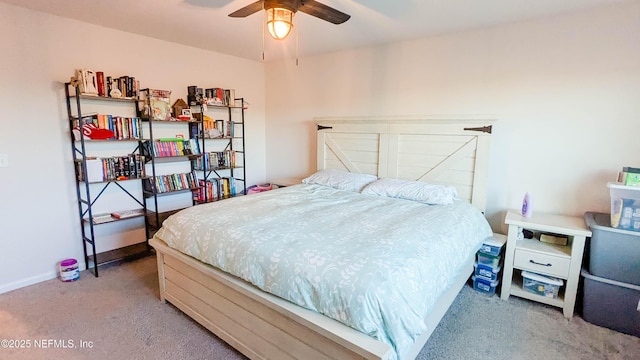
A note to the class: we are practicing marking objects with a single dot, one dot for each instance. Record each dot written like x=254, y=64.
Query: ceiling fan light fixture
x=279, y=22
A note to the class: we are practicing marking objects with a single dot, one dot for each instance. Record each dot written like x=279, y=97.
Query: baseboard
x=32, y=280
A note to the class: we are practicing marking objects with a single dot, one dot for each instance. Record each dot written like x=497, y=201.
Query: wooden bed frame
x=262, y=326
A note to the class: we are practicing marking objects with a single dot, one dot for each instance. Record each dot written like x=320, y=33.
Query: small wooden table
x=535, y=256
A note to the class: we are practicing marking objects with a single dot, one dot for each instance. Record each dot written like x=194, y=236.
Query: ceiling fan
x=280, y=14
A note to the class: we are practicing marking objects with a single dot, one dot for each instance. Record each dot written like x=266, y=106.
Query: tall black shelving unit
x=151, y=192
x=234, y=143
x=89, y=192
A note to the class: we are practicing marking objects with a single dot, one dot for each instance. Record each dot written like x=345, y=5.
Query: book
x=554, y=239
x=100, y=83
x=127, y=213
x=102, y=218
x=95, y=172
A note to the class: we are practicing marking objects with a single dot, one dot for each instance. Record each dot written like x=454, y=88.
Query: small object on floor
x=69, y=270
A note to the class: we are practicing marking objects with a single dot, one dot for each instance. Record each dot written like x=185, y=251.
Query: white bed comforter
x=374, y=263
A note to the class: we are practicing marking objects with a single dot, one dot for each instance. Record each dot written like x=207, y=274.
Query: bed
x=261, y=325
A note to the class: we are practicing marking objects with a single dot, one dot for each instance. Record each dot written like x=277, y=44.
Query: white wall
x=38, y=213
x=565, y=91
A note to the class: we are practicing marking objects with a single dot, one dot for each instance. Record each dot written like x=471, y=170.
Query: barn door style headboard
x=439, y=150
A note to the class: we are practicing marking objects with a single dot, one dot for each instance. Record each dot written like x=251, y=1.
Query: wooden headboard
x=440, y=150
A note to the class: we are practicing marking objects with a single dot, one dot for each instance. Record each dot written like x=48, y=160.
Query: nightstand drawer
x=542, y=263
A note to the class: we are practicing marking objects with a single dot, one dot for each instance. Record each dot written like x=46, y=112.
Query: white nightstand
x=535, y=256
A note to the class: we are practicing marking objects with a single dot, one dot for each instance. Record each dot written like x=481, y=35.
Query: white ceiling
x=205, y=24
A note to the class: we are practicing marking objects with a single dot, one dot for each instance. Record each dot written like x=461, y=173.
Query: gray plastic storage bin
x=614, y=253
x=612, y=304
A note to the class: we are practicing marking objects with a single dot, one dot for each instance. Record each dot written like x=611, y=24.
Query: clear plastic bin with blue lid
x=490, y=273
x=490, y=250
x=484, y=285
x=493, y=245
x=542, y=285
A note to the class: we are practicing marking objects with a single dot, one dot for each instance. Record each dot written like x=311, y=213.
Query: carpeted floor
x=119, y=316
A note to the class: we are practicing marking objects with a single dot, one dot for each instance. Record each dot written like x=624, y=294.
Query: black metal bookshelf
x=233, y=143
x=89, y=193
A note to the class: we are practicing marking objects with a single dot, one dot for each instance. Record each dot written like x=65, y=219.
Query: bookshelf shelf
x=110, y=140
x=101, y=181
x=120, y=255
x=103, y=98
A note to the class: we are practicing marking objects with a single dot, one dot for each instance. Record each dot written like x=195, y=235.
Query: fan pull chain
x=297, y=33
x=263, y=25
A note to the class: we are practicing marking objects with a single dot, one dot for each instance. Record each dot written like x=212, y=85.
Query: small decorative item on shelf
x=194, y=95
x=115, y=93
x=95, y=133
x=160, y=106
x=88, y=81
x=178, y=107
x=186, y=115
x=156, y=104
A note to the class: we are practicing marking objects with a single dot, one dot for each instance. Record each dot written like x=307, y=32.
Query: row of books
x=97, y=83
x=211, y=96
x=219, y=97
x=226, y=128
x=172, y=182
x=128, y=85
x=215, y=189
x=172, y=147
x=122, y=127
x=112, y=168
x=216, y=160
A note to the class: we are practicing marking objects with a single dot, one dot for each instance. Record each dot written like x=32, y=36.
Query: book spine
x=107, y=85
x=100, y=79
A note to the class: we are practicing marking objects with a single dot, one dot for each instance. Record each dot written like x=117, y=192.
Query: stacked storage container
x=611, y=293
x=489, y=263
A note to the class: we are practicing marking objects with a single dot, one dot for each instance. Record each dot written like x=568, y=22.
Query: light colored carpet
x=121, y=316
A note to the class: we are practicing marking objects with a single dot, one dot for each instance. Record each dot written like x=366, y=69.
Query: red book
x=101, y=83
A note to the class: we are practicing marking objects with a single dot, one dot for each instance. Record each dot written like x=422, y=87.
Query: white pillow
x=340, y=179
x=427, y=193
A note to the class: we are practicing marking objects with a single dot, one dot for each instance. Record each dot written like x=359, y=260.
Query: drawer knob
x=537, y=263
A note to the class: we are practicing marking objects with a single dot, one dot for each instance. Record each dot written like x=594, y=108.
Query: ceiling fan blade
x=323, y=12
x=248, y=10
